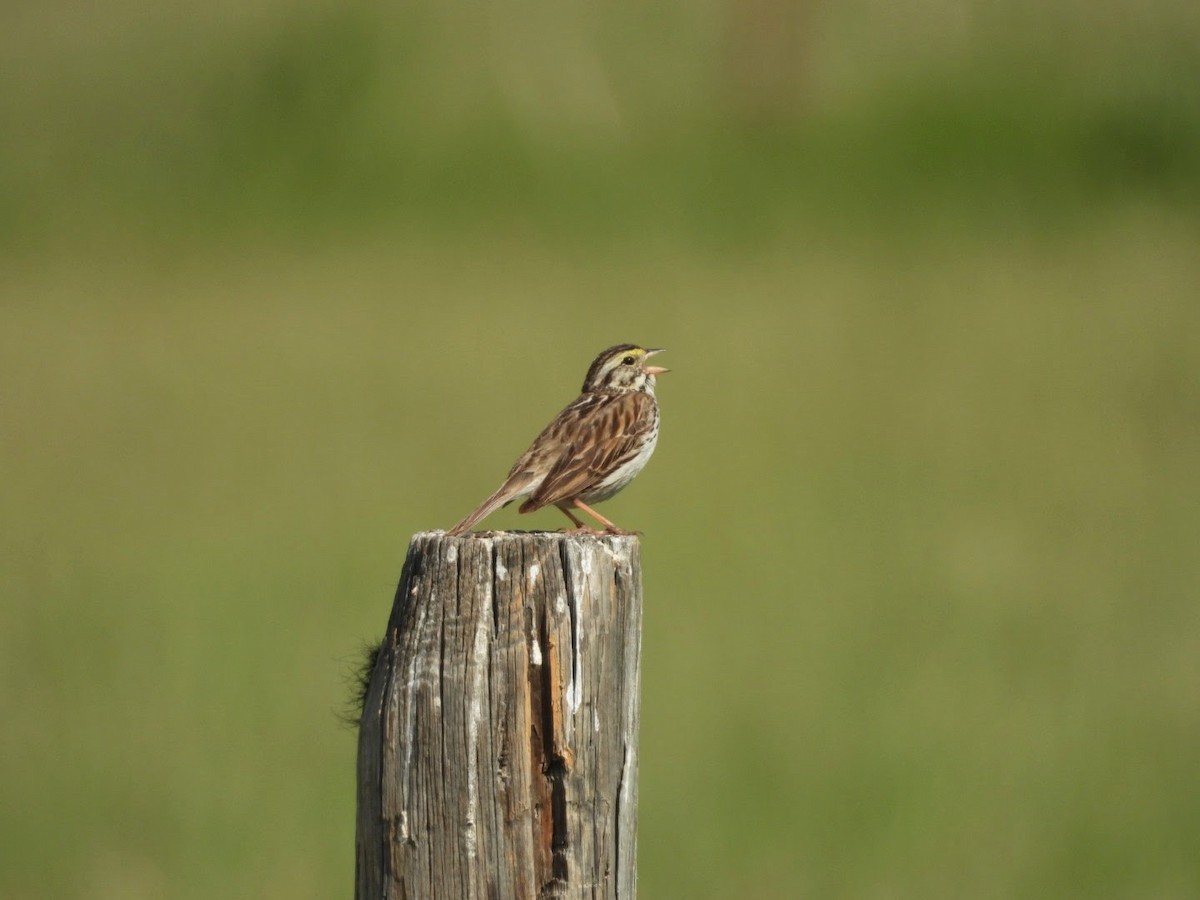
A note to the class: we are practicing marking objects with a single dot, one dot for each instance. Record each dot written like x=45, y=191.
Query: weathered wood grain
x=498, y=744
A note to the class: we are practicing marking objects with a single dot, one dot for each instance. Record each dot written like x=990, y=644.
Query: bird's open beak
x=653, y=370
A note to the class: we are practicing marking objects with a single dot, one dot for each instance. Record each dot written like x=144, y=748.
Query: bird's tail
x=485, y=509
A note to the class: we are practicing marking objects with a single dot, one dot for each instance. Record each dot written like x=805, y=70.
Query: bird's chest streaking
x=626, y=471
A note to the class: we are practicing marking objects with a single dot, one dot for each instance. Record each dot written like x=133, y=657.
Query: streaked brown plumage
x=593, y=448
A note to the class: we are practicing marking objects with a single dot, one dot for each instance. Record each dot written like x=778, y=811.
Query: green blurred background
x=282, y=284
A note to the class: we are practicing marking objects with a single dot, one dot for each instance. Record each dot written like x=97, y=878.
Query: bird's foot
x=602, y=532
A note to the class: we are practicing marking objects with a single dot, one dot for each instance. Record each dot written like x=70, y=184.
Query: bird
x=592, y=449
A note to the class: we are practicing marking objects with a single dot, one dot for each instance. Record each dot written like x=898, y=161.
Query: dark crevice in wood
x=554, y=767
x=572, y=611
x=538, y=752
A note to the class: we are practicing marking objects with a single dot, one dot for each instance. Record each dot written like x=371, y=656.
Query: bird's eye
x=629, y=361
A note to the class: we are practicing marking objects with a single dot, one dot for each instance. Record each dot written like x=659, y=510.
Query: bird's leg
x=608, y=526
x=579, y=528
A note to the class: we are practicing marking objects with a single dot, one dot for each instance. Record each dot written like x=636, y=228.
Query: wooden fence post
x=498, y=752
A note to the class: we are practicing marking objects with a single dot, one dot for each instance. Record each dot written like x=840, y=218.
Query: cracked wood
x=498, y=744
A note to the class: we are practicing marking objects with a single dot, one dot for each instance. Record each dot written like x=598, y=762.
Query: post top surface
x=611, y=540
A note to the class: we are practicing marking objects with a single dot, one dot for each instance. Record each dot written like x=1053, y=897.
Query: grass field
x=920, y=535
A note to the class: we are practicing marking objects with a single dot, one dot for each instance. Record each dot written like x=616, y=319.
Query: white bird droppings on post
x=451, y=553
x=415, y=674
x=535, y=652
x=575, y=688
x=626, y=779
x=534, y=570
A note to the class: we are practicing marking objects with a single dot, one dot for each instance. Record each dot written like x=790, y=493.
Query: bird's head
x=622, y=369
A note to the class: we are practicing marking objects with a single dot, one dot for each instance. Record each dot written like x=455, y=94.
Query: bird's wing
x=596, y=438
